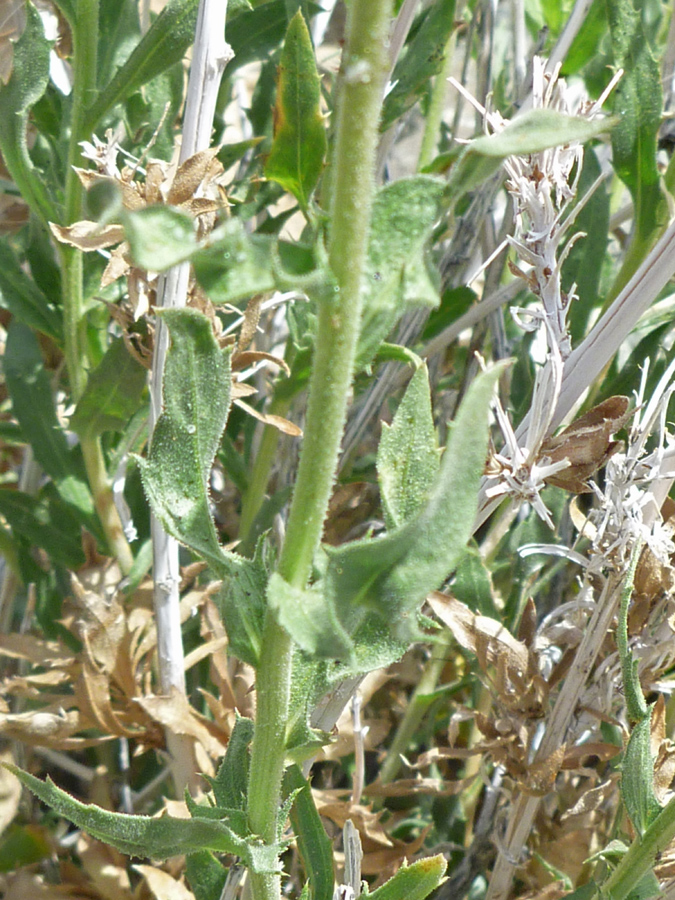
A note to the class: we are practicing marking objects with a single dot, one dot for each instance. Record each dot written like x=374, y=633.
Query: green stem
x=365, y=66
x=104, y=503
x=417, y=707
x=85, y=45
x=260, y=476
x=641, y=856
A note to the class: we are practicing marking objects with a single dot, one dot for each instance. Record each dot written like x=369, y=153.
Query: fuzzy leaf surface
x=414, y=882
x=145, y=836
x=206, y=875
x=187, y=434
x=236, y=265
x=637, y=780
x=27, y=84
x=299, y=147
x=391, y=576
x=407, y=457
x=396, y=274
x=159, y=237
x=112, y=394
x=231, y=781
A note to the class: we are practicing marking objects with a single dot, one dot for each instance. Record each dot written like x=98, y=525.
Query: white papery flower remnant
x=543, y=187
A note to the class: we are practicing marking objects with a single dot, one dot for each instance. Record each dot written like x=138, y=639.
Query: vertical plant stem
x=209, y=58
x=85, y=44
x=364, y=70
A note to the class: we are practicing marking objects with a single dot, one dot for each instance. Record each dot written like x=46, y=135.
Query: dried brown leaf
x=86, y=235
x=162, y=885
x=190, y=175
x=271, y=419
x=250, y=324
x=174, y=712
x=106, y=867
x=586, y=444
x=246, y=358
x=485, y=637
x=12, y=24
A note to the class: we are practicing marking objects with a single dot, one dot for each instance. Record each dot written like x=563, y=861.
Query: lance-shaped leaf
x=397, y=275
x=164, y=44
x=637, y=778
x=422, y=59
x=314, y=844
x=235, y=265
x=414, y=882
x=112, y=395
x=27, y=83
x=638, y=100
x=231, y=781
x=407, y=457
x=32, y=403
x=23, y=298
x=188, y=432
x=392, y=575
x=206, y=875
x=299, y=146
x=145, y=836
x=531, y=132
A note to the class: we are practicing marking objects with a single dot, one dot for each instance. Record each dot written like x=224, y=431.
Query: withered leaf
x=586, y=444
x=12, y=24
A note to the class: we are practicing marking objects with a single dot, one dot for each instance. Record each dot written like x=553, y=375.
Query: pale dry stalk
x=210, y=56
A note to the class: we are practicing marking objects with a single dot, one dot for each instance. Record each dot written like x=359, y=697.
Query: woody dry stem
x=360, y=98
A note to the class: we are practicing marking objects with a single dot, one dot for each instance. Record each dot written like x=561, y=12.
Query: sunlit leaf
x=407, y=457
x=299, y=146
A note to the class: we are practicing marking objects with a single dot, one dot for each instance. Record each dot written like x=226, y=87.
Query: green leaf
x=119, y=32
x=414, y=882
x=256, y=34
x=164, y=44
x=112, y=394
x=531, y=132
x=206, y=876
x=407, y=457
x=146, y=836
x=187, y=434
x=236, y=265
x=242, y=604
x=23, y=298
x=231, y=781
x=392, y=575
x=159, y=237
x=31, y=393
x=637, y=778
x=296, y=158
x=638, y=101
x=422, y=60
x=309, y=618
x=472, y=583
x=24, y=845
x=47, y=522
x=27, y=84
x=316, y=849
x=396, y=274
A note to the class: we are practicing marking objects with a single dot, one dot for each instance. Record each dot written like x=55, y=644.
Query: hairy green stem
x=641, y=856
x=364, y=70
x=85, y=44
